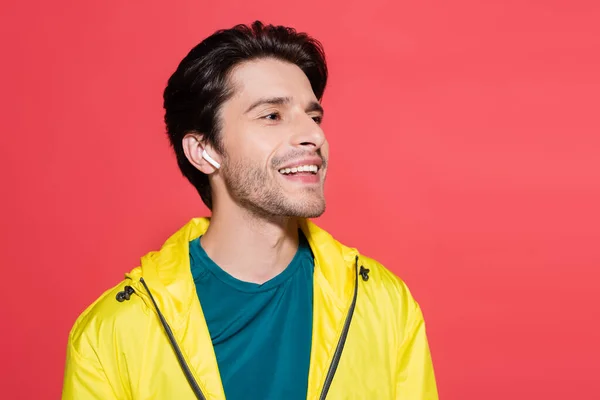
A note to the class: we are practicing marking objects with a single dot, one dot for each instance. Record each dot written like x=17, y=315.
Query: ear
x=193, y=145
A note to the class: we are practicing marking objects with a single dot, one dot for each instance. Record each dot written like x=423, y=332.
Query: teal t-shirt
x=261, y=333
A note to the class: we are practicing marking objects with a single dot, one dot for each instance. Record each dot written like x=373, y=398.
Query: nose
x=308, y=133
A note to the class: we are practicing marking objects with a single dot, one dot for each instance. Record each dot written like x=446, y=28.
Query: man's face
x=275, y=150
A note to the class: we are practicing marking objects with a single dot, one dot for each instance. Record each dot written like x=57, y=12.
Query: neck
x=251, y=248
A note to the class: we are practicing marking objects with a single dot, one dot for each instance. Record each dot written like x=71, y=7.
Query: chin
x=309, y=211
x=314, y=214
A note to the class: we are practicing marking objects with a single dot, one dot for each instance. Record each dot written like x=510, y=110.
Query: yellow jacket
x=368, y=339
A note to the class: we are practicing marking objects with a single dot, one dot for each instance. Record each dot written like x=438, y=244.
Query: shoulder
x=384, y=279
x=388, y=292
x=108, y=321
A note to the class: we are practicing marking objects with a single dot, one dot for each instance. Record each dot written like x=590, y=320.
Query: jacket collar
x=168, y=274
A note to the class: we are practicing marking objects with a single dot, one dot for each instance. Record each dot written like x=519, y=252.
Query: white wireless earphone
x=210, y=160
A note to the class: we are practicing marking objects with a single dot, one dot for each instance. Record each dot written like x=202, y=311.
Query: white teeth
x=301, y=168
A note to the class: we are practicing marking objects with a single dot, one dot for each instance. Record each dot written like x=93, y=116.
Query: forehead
x=269, y=77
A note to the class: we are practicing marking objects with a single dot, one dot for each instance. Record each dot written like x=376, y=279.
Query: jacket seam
x=411, y=330
x=96, y=363
x=144, y=355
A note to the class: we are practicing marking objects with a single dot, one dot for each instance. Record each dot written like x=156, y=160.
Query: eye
x=318, y=119
x=274, y=116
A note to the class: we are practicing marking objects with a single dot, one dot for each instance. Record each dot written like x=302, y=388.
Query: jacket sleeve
x=84, y=378
x=415, y=376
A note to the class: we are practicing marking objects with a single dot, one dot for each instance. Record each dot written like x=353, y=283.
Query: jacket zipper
x=186, y=369
x=332, y=367
x=340, y=346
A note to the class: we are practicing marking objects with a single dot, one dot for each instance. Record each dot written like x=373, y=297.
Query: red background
x=465, y=143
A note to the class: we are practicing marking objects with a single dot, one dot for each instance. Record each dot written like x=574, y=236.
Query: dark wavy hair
x=200, y=85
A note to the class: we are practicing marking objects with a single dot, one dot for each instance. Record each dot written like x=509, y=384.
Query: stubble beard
x=254, y=190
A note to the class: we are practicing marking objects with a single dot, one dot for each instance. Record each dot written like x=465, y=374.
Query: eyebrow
x=277, y=101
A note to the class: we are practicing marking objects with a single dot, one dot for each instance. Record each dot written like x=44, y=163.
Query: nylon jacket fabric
x=119, y=350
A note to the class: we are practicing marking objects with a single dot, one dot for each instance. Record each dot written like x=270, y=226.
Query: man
x=258, y=302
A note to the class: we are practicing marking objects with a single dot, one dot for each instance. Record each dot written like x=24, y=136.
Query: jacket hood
x=167, y=271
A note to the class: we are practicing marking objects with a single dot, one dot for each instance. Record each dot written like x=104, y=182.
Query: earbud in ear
x=210, y=160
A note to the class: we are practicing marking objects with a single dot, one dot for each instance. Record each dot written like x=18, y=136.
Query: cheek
x=263, y=144
x=252, y=148
x=238, y=141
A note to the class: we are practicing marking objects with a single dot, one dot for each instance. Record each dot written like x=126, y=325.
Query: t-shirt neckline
x=251, y=287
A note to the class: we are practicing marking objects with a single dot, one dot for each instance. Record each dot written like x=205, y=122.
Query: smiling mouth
x=301, y=169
